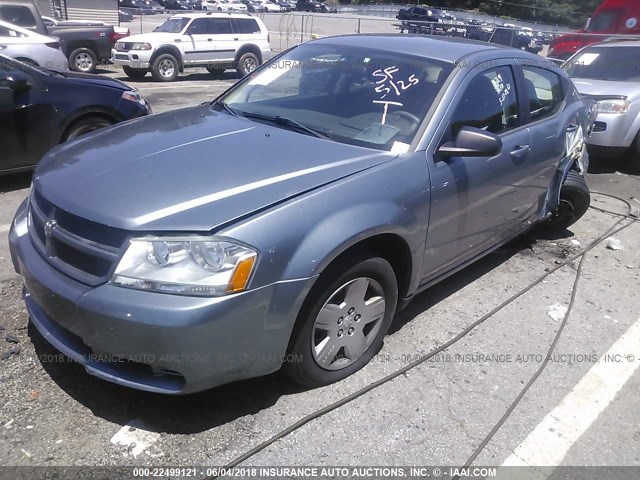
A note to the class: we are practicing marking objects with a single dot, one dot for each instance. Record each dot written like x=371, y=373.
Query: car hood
x=95, y=80
x=597, y=88
x=193, y=169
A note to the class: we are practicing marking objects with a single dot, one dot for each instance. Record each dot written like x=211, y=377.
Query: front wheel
x=165, y=68
x=574, y=202
x=247, y=64
x=86, y=125
x=343, y=322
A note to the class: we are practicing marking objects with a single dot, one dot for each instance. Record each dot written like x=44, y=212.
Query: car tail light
x=115, y=36
x=55, y=45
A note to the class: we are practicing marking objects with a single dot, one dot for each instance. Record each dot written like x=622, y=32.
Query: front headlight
x=613, y=106
x=190, y=265
x=141, y=46
x=133, y=96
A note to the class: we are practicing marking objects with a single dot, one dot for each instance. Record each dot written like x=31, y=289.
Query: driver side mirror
x=472, y=142
x=18, y=82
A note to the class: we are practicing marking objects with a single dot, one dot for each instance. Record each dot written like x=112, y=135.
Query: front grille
x=82, y=249
x=122, y=56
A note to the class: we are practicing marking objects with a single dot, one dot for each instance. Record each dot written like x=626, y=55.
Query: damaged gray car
x=286, y=222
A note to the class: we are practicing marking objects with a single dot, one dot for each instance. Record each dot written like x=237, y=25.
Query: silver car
x=31, y=47
x=609, y=73
x=285, y=223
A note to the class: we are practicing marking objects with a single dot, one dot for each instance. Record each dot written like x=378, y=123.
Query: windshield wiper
x=225, y=107
x=288, y=122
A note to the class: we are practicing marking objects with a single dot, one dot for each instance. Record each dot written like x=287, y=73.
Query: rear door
x=477, y=202
x=544, y=93
x=223, y=38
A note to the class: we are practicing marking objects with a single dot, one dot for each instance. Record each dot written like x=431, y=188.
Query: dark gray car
x=286, y=222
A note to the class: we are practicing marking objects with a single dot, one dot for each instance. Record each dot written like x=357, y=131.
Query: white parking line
x=549, y=442
x=4, y=228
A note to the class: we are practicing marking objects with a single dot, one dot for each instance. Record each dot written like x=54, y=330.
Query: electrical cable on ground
x=358, y=393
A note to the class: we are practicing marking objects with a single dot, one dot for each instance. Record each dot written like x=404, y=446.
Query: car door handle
x=572, y=127
x=235, y=39
x=520, y=152
x=209, y=39
x=2, y=47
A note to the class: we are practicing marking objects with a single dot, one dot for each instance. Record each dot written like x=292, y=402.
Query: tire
x=135, y=72
x=216, y=70
x=325, y=352
x=83, y=60
x=574, y=202
x=247, y=63
x=86, y=125
x=165, y=68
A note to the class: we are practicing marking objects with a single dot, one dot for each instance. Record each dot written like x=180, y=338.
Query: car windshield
x=173, y=25
x=621, y=64
x=353, y=95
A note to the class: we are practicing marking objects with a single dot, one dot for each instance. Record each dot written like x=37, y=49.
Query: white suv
x=216, y=41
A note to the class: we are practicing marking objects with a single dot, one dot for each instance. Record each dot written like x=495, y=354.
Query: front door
x=478, y=201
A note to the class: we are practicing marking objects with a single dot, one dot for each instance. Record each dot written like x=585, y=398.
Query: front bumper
x=612, y=131
x=155, y=342
x=132, y=58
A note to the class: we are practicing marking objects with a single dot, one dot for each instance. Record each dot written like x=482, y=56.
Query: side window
x=197, y=27
x=245, y=25
x=544, y=90
x=217, y=26
x=489, y=102
x=18, y=15
x=8, y=32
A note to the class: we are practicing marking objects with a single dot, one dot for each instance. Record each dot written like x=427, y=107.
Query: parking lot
x=437, y=413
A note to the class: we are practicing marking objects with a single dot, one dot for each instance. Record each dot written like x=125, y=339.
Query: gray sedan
x=609, y=73
x=286, y=222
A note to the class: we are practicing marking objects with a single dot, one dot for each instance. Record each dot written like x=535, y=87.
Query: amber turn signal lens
x=241, y=274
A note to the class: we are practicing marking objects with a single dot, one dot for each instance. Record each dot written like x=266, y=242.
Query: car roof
x=447, y=49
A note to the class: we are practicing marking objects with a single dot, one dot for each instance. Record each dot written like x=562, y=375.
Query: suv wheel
x=165, y=68
x=344, y=321
x=247, y=63
x=83, y=60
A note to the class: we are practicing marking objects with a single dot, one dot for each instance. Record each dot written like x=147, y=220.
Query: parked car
x=416, y=13
x=269, y=6
x=254, y=6
x=213, y=40
x=31, y=47
x=311, y=6
x=85, y=46
x=124, y=16
x=609, y=73
x=237, y=6
x=40, y=108
x=216, y=5
x=285, y=5
x=612, y=17
x=136, y=7
x=280, y=224
x=177, y=5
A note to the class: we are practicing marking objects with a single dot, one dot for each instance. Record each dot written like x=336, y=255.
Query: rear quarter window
x=18, y=15
x=245, y=25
